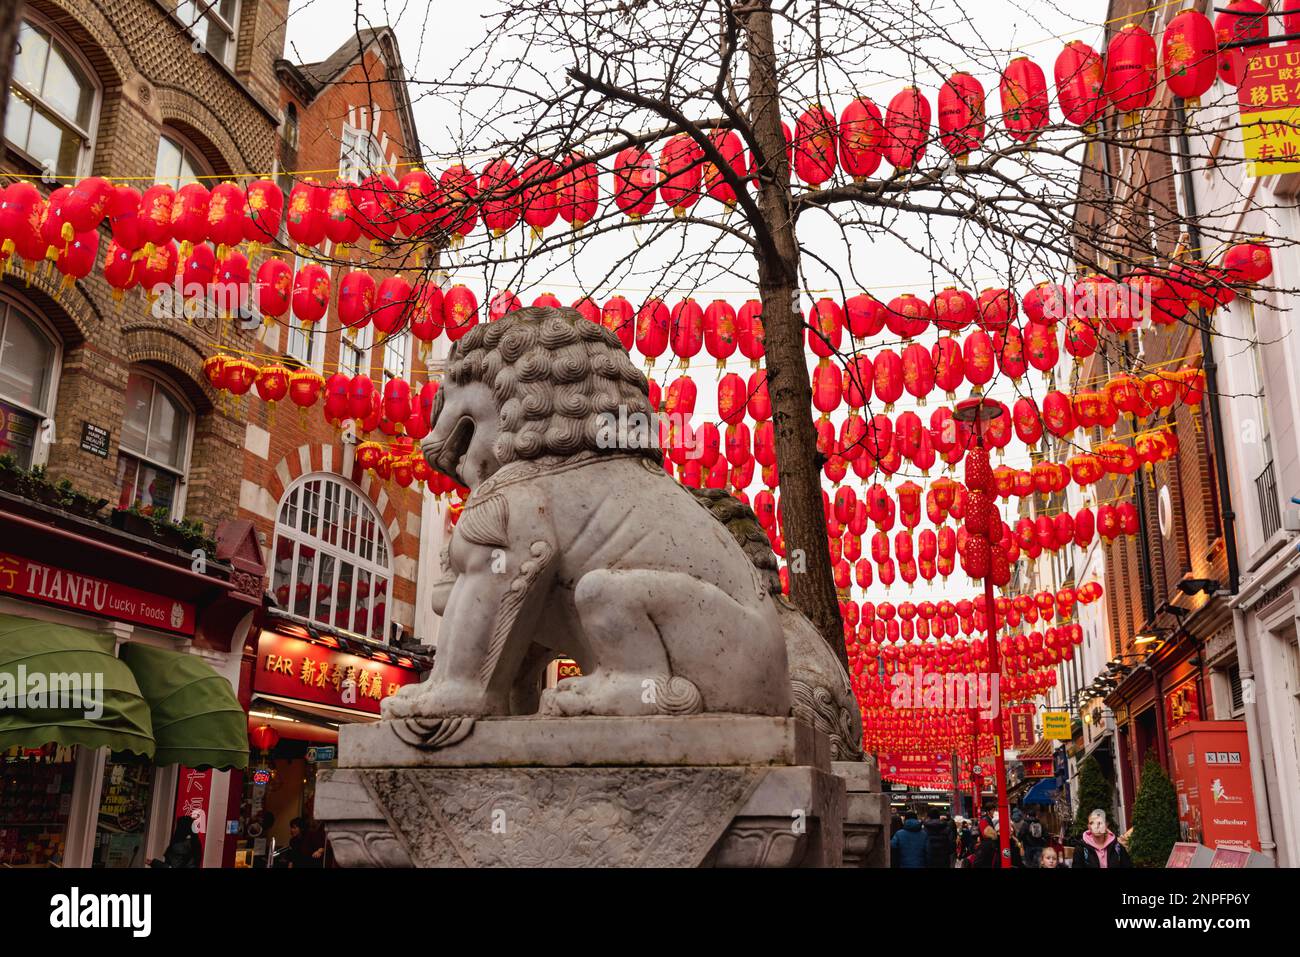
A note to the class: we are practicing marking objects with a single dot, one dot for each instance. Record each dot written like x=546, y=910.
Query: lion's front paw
x=444, y=699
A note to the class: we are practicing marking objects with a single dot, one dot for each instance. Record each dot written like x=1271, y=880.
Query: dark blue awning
x=1044, y=792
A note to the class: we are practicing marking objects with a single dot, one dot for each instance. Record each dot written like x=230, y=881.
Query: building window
x=178, y=163
x=291, y=126
x=397, y=356
x=360, y=155
x=354, y=353
x=214, y=24
x=332, y=557
x=27, y=373
x=51, y=103
x=304, y=341
x=153, y=455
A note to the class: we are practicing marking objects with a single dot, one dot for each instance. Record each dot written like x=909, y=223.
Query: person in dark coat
x=306, y=845
x=938, y=834
x=1100, y=848
x=1033, y=836
x=185, y=849
x=909, y=848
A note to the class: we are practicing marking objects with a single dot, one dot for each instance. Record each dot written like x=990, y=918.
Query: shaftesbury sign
x=58, y=586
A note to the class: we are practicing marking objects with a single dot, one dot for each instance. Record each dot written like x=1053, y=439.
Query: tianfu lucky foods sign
x=58, y=586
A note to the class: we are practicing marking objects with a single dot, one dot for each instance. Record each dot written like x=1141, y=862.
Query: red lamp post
x=979, y=411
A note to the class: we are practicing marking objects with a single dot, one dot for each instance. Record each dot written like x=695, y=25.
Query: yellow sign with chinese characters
x=1056, y=725
x=1269, y=97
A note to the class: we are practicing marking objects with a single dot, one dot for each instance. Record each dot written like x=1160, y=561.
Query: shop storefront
x=303, y=683
x=116, y=676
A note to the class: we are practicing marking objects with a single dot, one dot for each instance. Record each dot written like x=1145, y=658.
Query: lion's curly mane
x=560, y=381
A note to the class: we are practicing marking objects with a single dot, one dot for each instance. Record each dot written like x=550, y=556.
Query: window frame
x=187, y=445
x=86, y=154
x=9, y=303
x=292, y=326
x=407, y=355
x=208, y=10
x=363, y=345
x=349, y=170
x=187, y=149
x=297, y=537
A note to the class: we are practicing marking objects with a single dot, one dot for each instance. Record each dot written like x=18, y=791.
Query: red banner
x=193, y=793
x=1212, y=780
x=293, y=668
x=57, y=586
x=912, y=765
x=1019, y=731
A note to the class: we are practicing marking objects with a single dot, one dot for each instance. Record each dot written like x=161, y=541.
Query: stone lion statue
x=574, y=541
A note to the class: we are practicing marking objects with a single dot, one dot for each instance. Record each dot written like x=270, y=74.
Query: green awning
x=197, y=720
x=64, y=676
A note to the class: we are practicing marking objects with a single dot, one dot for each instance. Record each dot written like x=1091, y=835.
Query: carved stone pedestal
x=701, y=791
x=866, y=815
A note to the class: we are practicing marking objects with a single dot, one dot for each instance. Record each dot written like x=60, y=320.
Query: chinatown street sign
x=1270, y=109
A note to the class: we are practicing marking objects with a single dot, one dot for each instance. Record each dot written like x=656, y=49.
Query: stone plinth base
x=866, y=814
x=699, y=791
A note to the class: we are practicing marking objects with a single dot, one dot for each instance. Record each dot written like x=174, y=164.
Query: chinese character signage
x=1019, y=731
x=293, y=668
x=914, y=764
x=1270, y=109
x=192, y=794
x=58, y=586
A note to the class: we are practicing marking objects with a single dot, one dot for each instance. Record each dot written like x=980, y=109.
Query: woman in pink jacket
x=1100, y=847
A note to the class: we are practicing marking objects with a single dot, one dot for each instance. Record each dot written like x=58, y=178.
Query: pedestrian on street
x=185, y=849
x=1100, y=848
x=909, y=848
x=1049, y=860
x=939, y=837
x=1033, y=836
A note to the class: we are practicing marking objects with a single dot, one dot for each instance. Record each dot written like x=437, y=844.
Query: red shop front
x=303, y=683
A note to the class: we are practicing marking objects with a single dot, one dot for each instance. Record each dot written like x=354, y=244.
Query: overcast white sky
x=432, y=36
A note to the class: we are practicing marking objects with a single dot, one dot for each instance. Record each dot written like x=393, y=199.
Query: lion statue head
x=540, y=382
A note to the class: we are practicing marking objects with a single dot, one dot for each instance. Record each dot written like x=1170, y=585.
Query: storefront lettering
x=282, y=664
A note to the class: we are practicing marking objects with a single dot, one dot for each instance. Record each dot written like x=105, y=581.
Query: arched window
x=178, y=162
x=333, y=563
x=28, y=364
x=154, y=453
x=52, y=101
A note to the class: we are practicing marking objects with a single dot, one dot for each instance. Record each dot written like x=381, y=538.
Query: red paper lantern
x=749, y=331
x=226, y=207
x=1190, y=53
x=579, y=191
x=720, y=331
x=887, y=378
x=357, y=291
x=978, y=359
x=618, y=317
x=1024, y=99
x=342, y=225
x=1080, y=83
x=311, y=293
x=272, y=383
x=686, y=330
x=305, y=387
x=1243, y=20
x=190, y=214
x=862, y=133
x=306, y=216
x=155, y=213
x=907, y=128
x=1131, y=70
x=541, y=184
x=918, y=372
x=119, y=269
x=459, y=311
x=732, y=151
x=157, y=268
x=1248, y=263
x=825, y=328
x=502, y=304
x=815, y=136
x=427, y=313
x=760, y=403
x=907, y=316
x=653, y=322
x=1010, y=348
x=123, y=218
x=499, y=196
x=961, y=116
x=635, y=182
x=827, y=386
x=681, y=171
x=87, y=203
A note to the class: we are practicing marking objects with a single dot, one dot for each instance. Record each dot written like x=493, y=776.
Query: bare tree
x=555, y=78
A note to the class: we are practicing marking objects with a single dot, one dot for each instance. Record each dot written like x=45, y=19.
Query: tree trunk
x=11, y=15
x=812, y=582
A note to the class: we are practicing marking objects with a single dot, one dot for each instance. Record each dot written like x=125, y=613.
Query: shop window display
x=35, y=800
x=123, y=811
